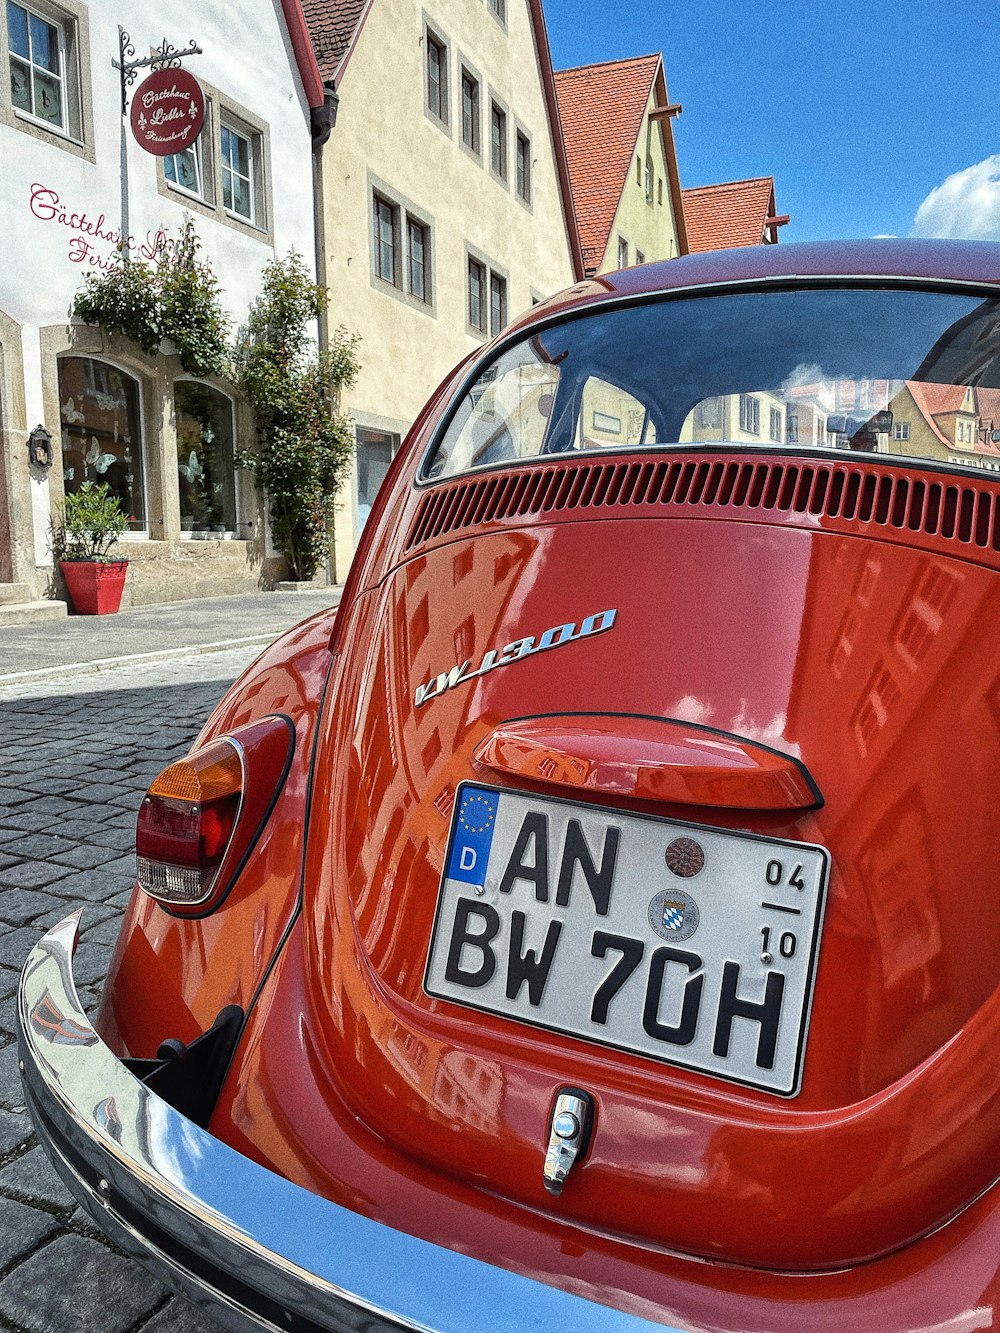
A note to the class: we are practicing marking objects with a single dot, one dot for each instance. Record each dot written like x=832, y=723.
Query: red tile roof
x=332, y=26
x=601, y=108
x=722, y=217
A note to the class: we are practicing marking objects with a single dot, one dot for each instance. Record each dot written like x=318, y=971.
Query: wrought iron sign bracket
x=166, y=56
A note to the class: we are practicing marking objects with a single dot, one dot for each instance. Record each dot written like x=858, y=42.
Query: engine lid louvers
x=841, y=493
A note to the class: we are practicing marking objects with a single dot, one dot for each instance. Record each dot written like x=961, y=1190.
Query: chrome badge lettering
x=514, y=652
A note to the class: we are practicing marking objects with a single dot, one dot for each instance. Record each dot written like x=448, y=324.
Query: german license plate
x=691, y=945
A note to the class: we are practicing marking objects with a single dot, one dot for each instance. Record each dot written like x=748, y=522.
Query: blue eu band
x=470, y=848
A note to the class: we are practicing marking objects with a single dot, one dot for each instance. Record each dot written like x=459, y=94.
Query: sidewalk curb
x=133, y=659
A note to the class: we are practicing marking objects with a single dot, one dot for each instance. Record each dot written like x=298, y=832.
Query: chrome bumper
x=254, y=1250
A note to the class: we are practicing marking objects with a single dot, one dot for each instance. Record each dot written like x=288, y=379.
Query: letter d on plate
x=470, y=849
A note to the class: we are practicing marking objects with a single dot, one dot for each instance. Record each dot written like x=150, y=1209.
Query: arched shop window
x=102, y=432
x=206, y=475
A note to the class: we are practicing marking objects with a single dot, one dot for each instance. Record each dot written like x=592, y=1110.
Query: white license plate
x=686, y=944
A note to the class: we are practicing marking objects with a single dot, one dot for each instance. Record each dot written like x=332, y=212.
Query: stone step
x=14, y=592
x=27, y=613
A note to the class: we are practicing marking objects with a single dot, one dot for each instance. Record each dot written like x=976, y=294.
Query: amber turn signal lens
x=186, y=823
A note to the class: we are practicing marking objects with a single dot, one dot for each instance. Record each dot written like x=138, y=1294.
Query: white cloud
x=966, y=205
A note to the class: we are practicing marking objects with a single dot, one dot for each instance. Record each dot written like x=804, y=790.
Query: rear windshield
x=908, y=373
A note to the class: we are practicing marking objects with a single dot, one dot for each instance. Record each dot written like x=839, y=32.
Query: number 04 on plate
x=685, y=944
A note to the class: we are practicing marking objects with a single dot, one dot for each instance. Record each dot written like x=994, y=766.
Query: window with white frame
x=238, y=173
x=437, y=77
x=187, y=170
x=649, y=180
x=498, y=303
x=498, y=140
x=385, y=217
x=749, y=414
x=470, y=111
x=522, y=167
x=622, y=252
x=901, y=430
x=417, y=259
x=498, y=8
x=43, y=67
x=476, y=284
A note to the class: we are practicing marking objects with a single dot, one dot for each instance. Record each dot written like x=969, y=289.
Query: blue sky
x=864, y=113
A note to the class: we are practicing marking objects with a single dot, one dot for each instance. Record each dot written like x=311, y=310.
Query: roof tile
x=601, y=108
x=332, y=24
x=725, y=216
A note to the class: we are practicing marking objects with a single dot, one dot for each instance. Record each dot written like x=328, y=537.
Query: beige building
x=616, y=120
x=444, y=197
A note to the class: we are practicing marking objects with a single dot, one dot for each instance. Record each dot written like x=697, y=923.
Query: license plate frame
x=710, y=1032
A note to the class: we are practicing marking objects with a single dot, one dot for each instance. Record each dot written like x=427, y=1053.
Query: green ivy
x=304, y=446
x=175, y=298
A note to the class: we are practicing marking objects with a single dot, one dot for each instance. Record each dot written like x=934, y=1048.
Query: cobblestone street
x=76, y=756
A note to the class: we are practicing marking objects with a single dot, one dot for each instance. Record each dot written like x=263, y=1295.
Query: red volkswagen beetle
x=594, y=925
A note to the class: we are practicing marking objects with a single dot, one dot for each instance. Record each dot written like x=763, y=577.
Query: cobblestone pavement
x=76, y=757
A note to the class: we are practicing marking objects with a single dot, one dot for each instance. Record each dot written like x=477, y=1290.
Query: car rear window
x=913, y=374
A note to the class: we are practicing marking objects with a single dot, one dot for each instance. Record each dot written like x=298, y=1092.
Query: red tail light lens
x=202, y=815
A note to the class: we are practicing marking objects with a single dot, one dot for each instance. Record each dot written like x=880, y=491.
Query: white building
x=71, y=178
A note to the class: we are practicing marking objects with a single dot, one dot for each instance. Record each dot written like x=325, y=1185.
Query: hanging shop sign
x=168, y=111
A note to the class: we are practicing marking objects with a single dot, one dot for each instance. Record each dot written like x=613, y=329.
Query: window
x=376, y=449
x=206, y=472
x=498, y=303
x=385, y=222
x=622, y=252
x=470, y=111
x=791, y=429
x=416, y=259
x=498, y=8
x=186, y=170
x=437, y=78
x=102, y=432
x=776, y=431
x=640, y=258
x=43, y=68
x=477, y=281
x=659, y=192
x=498, y=140
x=749, y=414
x=649, y=180
x=820, y=431
x=638, y=171
x=238, y=174
x=901, y=430
x=522, y=167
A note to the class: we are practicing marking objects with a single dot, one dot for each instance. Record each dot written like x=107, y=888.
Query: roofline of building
x=305, y=58
x=556, y=135
x=673, y=172
x=605, y=64
x=722, y=185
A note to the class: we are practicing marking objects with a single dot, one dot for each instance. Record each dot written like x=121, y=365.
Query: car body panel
x=835, y=611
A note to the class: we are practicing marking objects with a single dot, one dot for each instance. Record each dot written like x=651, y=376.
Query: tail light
x=201, y=817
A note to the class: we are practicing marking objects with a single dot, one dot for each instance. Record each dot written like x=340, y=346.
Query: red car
x=593, y=926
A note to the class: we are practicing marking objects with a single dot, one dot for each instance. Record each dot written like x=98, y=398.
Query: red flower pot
x=95, y=588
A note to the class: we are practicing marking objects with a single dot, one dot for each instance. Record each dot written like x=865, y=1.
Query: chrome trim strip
x=248, y=1245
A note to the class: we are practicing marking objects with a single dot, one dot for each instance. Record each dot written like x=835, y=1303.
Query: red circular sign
x=168, y=111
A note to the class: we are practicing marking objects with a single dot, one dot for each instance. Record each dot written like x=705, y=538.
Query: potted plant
x=92, y=521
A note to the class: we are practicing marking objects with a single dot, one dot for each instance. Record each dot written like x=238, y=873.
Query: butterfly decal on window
x=70, y=414
x=98, y=461
x=192, y=470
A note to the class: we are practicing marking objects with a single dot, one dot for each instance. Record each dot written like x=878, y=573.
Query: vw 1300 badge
x=555, y=637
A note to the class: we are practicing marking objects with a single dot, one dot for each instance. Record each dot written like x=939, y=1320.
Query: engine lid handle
x=651, y=759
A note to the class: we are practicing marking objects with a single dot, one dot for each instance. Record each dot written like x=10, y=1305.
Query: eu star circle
x=477, y=814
